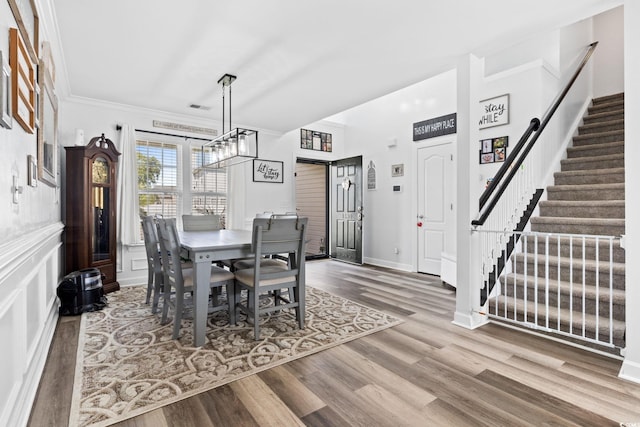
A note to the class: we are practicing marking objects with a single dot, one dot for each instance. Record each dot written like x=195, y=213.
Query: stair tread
x=591, y=147
x=608, y=98
x=577, y=239
x=577, y=220
x=581, y=172
x=584, y=187
x=591, y=118
x=601, y=124
x=618, y=267
x=619, y=326
x=599, y=104
x=594, y=158
x=582, y=203
x=617, y=295
x=599, y=134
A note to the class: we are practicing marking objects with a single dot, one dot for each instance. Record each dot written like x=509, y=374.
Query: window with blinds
x=158, y=172
x=209, y=187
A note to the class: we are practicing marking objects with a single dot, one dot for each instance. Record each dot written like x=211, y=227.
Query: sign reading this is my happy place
x=431, y=128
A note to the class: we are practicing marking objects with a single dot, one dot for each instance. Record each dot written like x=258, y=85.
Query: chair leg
x=231, y=302
x=157, y=290
x=177, y=315
x=233, y=317
x=150, y=285
x=255, y=296
x=299, y=296
x=215, y=294
x=167, y=300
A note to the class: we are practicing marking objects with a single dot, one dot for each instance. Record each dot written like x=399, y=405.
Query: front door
x=347, y=210
x=434, y=168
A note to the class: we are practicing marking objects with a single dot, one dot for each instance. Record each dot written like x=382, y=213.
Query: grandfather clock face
x=100, y=171
x=100, y=204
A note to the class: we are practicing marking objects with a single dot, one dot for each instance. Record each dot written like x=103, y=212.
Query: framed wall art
x=32, y=169
x=5, y=93
x=48, y=132
x=494, y=111
x=24, y=11
x=268, y=171
x=23, y=80
x=493, y=149
x=314, y=140
x=397, y=170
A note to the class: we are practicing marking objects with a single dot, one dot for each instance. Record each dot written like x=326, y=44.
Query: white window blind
x=209, y=187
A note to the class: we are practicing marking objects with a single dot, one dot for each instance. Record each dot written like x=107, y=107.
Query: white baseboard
x=630, y=371
x=388, y=264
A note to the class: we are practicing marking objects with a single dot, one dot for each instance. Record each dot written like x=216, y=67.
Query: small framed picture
x=499, y=142
x=499, y=154
x=32, y=168
x=397, y=170
x=486, y=157
x=487, y=147
x=5, y=93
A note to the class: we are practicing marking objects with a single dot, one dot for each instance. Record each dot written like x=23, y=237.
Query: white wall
x=390, y=217
x=608, y=30
x=631, y=366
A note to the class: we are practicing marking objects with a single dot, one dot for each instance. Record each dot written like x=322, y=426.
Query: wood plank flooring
x=424, y=372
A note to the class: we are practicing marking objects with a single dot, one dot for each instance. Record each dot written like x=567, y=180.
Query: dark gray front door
x=347, y=212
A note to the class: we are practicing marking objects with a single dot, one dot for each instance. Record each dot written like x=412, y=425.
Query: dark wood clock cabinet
x=90, y=209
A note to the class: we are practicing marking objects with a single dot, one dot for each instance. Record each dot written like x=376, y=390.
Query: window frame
x=184, y=190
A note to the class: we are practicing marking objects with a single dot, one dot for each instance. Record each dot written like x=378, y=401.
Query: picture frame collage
x=314, y=140
x=27, y=92
x=493, y=150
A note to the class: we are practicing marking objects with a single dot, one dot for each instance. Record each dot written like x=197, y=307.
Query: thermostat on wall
x=397, y=188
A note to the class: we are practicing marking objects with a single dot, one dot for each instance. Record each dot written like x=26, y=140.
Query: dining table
x=203, y=248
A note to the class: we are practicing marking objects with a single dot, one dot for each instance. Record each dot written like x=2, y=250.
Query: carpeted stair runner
x=588, y=198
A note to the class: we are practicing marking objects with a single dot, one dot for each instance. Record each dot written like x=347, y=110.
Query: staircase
x=584, y=289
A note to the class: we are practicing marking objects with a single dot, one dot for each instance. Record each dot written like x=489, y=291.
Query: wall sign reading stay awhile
x=267, y=171
x=494, y=111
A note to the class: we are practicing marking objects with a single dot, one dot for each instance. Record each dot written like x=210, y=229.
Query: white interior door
x=434, y=166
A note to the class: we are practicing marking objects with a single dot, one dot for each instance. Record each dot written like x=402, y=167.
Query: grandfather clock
x=90, y=218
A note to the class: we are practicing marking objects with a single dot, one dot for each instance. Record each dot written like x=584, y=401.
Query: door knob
x=420, y=216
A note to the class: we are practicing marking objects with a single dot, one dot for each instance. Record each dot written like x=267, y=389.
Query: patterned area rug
x=128, y=364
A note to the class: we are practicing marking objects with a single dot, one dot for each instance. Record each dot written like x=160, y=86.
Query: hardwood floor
x=424, y=372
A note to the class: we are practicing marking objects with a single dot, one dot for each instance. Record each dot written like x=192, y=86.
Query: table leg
x=201, y=303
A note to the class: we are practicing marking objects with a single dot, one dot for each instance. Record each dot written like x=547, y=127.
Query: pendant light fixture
x=233, y=146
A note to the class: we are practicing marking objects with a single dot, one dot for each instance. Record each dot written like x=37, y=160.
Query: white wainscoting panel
x=30, y=269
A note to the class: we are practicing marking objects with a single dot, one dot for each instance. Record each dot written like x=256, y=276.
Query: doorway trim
x=327, y=165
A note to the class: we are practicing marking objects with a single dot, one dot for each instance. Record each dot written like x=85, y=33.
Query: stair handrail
x=497, y=187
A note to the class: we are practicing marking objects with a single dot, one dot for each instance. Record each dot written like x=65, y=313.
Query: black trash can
x=81, y=291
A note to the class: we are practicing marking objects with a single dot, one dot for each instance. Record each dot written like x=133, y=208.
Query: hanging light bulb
x=242, y=145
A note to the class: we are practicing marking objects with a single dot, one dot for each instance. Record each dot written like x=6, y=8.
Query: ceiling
x=297, y=61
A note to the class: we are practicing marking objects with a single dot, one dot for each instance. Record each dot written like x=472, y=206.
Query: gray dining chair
x=275, y=260
x=154, y=262
x=178, y=280
x=274, y=236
